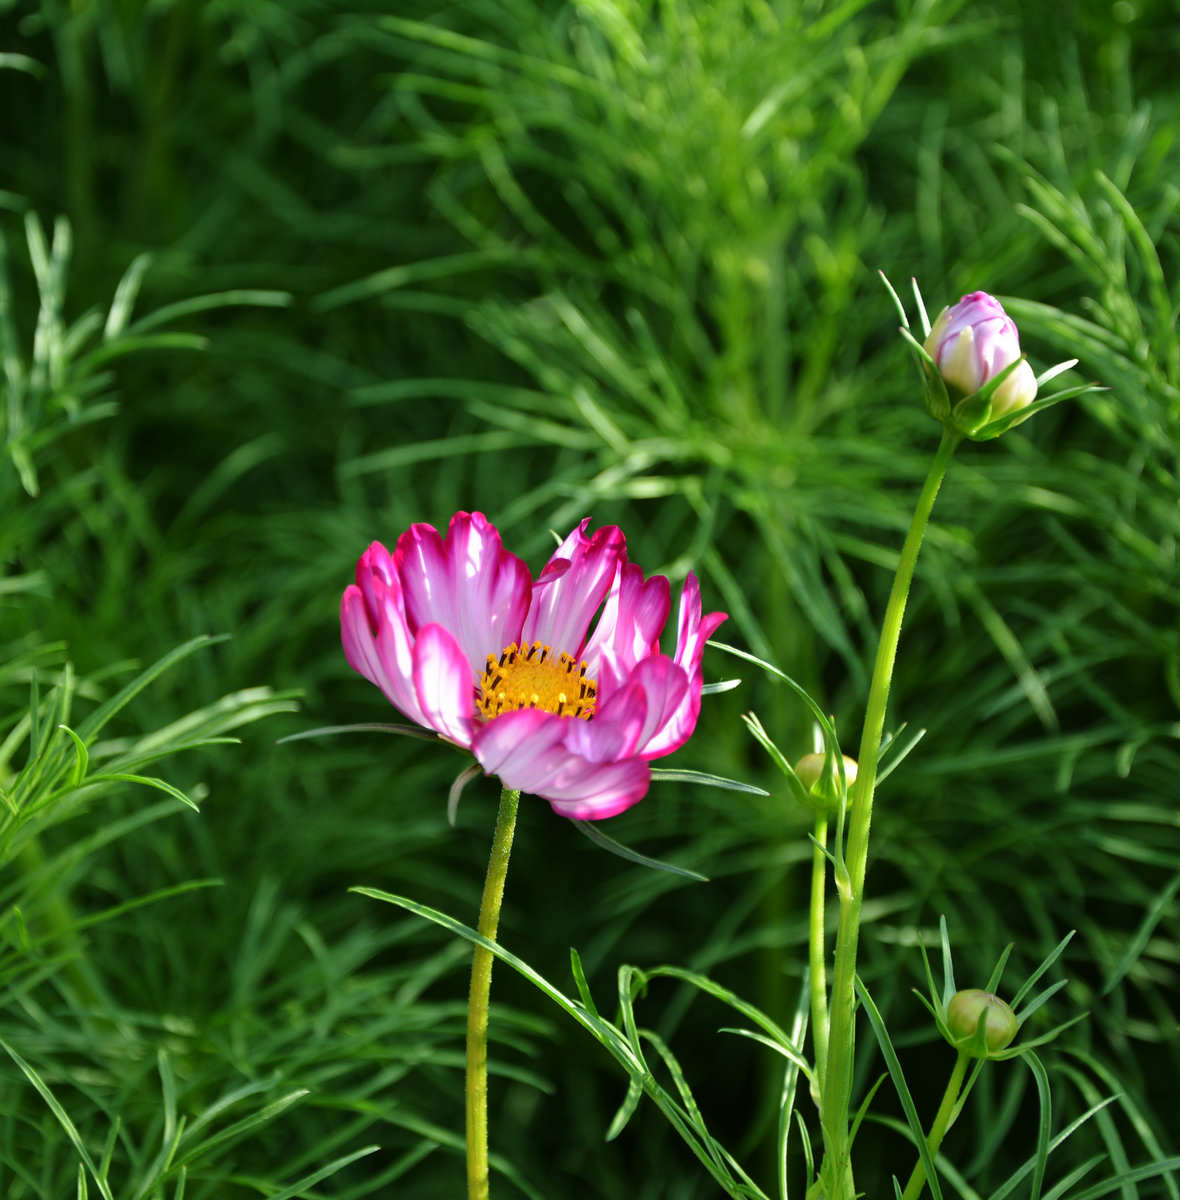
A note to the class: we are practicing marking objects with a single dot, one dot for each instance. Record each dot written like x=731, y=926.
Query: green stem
x=943, y=1120
x=477, y=1004
x=818, y=950
x=851, y=878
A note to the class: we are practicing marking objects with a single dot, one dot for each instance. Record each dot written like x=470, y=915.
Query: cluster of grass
x=280, y=278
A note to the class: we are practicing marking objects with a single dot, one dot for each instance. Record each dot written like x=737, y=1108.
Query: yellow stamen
x=530, y=677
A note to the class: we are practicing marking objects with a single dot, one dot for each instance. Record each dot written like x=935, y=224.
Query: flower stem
x=942, y=1122
x=477, y=1004
x=818, y=950
x=850, y=874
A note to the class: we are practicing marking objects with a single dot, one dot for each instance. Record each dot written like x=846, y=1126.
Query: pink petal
x=443, y=684
x=972, y=341
x=466, y=582
x=378, y=582
x=524, y=748
x=600, y=791
x=527, y=749
x=694, y=630
x=614, y=732
x=629, y=628
x=573, y=584
x=657, y=688
x=377, y=642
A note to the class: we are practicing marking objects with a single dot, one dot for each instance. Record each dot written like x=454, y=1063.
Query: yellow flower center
x=530, y=677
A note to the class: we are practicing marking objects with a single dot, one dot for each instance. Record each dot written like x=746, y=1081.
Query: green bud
x=962, y=1019
x=823, y=786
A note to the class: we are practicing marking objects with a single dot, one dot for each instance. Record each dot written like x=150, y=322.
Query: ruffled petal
x=466, y=582
x=525, y=748
x=693, y=631
x=657, y=689
x=373, y=630
x=630, y=626
x=615, y=730
x=443, y=684
x=573, y=584
x=528, y=750
x=591, y=793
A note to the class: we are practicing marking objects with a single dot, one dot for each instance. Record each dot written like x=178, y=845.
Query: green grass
x=280, y=279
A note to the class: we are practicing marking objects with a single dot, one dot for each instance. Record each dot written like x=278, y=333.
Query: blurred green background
x=613, y=258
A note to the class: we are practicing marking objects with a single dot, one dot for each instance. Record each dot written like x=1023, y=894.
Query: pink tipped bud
x=962, y=1019
x=972, y=342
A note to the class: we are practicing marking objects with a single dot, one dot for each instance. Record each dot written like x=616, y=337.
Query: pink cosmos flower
x=972, y=342
x=463, y=640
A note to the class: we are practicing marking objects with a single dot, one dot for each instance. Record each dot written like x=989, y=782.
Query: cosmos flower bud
x=824, y=786
x=973, y=342
x=962, y=1019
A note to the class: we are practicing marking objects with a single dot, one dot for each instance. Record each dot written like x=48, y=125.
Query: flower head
x=973, y=342
x=463, y=640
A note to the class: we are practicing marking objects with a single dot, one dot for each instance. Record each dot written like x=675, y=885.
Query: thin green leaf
x=97, y=719
x=1150, y=1170
x=580, y=983
x=1048, y=961
x=301, y=1186
x=83, y=757
x=1155, y=911
x=901, y=1087
x=1044, y=1123
x=239, y=1129
x=590, y=830
x=63, y=1118
x=411, y=731
x=626, y=1109
x=151, y=781
x=682, y=775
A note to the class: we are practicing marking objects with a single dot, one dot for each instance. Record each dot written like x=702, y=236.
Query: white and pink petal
x=381, y=650
x=693, y=631
x=572, y=586
x=443, y=684
x=525, y=749
x=593, y=791
x=629, y=628
x=657, y=687
x=467, y=582
x=537, y=752
x=614, y=732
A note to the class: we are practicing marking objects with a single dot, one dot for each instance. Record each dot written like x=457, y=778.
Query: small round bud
x=810, y=769
x=962, y=1019
x=971, y=343
x=824, y=788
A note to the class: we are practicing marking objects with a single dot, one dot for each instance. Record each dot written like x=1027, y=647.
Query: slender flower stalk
x=850, y=876
x=477, y=1004
x=817, y=962
x=943, y=1120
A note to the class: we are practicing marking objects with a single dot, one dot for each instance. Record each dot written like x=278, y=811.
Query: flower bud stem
x=943, y=1120
x=477, y=1004
x=837, y=1088
x=818, y=974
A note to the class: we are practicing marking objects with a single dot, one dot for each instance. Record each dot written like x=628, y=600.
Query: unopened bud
x=974, y=341
x=962, y=1019
x=824, y=786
